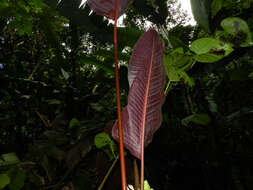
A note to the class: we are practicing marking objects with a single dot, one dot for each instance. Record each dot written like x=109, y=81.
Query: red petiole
x=121, y=144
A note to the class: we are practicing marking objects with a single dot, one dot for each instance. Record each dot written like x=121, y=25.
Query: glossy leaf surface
x=146, y=76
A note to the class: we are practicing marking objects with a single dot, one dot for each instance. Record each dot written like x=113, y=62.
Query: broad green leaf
x=204, y=45
x=4, y=180
x=74, y=122
x=201, y=12
x=9, y=159
x=201, y=119
x=17, y=179
x=239, y=30
x=210, y=50
x=103, y=141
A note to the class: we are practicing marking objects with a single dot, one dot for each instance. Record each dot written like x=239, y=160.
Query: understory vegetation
x=58, y=95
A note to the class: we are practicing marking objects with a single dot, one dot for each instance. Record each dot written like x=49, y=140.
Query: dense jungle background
x=57, y=92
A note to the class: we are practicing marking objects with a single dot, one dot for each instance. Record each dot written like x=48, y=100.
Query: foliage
x=103, y=141
x=57, y=93
x=146, y=76
x=4, y=180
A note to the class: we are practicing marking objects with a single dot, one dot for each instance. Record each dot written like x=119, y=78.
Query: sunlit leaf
x=210, y=50
x=204, y=45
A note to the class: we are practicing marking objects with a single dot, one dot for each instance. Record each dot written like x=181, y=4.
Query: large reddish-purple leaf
x=146, y=76
x=107, y=7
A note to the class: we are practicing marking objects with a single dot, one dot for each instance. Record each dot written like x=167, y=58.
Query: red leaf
x=107, y=7
x=146, y=76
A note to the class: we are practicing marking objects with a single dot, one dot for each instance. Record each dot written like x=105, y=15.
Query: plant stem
x=121, y=145
x=136, y=175
x=108, y=174
x=167, y=88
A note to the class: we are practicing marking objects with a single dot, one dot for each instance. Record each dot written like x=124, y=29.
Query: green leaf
x=208, y=58
x=210, y=50
x=239, y=30
x=9, y=159
x=18, y=177
x=146, y=186
x=201, y=12
x=187, y=79
x=74, y=122
x=175, y=65
x=216, y=6
x=4, y=180
x=103, y=141
x=201, y=119
x=204, y=45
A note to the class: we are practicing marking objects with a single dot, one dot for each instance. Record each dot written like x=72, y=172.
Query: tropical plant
x=58, y=103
